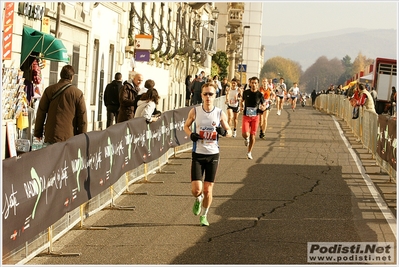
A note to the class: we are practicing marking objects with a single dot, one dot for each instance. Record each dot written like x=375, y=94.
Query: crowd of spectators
x=193, y=87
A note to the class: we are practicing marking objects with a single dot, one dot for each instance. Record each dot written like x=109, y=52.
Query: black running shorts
x=201, y=164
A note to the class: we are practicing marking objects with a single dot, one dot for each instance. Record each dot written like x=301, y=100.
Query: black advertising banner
x=386, y=140
x=181, y=117
x=73, y=160
x=113, y=155
x=40, y=187
x=95, y=160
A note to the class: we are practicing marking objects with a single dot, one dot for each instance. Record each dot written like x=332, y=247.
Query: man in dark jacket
x=62, y=110
x=111, y=98
x=196, y=90
x=127, y=97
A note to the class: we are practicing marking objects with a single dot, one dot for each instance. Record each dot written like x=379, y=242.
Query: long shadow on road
x=270, y=219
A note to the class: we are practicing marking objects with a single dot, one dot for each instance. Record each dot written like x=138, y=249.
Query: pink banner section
x=41, y=186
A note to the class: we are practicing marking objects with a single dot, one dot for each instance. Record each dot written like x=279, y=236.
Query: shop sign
x=46, y=25
x=143, y=42
x=142, y=55
x=8, y=24
x=31, y=10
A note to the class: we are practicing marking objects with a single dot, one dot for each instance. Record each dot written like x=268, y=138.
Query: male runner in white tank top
x=233, y=96
x=209, y=122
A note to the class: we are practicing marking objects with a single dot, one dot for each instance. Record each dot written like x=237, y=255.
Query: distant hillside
x=287, y=39
x=308, y=48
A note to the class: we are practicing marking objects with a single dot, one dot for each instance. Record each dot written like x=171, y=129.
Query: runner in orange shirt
x=267, y=89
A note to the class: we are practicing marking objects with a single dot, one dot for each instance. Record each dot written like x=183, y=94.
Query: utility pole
x=58, y=20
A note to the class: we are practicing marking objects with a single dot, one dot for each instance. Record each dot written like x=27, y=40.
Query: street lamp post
x=242, y=51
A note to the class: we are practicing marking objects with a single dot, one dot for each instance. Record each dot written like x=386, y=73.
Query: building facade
x=100, y=39
x=239, y=34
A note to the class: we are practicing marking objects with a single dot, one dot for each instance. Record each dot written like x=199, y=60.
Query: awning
x=47, y=46
x=366, y=79
x=349, y=85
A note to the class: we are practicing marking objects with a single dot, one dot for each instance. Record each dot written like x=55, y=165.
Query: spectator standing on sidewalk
x=148, y=84
x=225, y=84
x=188, y=82
x=393, y=101
x=374, y=95
x=62, y=110
x=209, y=122
x=146, y=106
x=127, y=97
x=218, y=85
x=111, y=98
x=196, y=89
x=252, y=101
x=355, y=102
x=204, y=77
x=340, y=90
x=365, y=97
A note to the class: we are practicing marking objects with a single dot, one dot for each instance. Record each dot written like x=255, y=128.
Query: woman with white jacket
x=146, y=106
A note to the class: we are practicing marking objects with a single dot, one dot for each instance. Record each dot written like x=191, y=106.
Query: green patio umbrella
x=46, y=45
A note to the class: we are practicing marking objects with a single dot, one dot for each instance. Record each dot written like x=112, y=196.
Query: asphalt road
x=301, y=186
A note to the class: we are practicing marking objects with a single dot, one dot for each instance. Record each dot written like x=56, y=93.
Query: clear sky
x=306, y=17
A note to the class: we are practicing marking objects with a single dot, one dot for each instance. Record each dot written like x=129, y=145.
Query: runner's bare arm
x=189, y=121
x=225, y=124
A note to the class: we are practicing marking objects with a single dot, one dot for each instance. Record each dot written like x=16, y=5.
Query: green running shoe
x=203, y=221
x=197, y=207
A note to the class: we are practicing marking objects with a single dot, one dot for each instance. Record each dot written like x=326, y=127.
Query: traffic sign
x=242, y=67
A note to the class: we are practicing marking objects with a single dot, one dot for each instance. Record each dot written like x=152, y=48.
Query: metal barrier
x=364, y=128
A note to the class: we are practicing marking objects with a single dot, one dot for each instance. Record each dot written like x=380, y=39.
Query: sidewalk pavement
x=302, y=186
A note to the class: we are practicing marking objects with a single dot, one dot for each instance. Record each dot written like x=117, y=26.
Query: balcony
x=235, y=17
x=235, y=14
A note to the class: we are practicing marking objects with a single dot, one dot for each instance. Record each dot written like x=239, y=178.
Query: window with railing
x=388, y=69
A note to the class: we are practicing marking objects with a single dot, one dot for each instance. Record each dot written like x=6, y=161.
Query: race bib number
x=251, y=111
x=208, y=134
x=233, y=102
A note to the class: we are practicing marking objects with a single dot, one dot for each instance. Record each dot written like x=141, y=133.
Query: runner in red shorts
x=252, y=102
